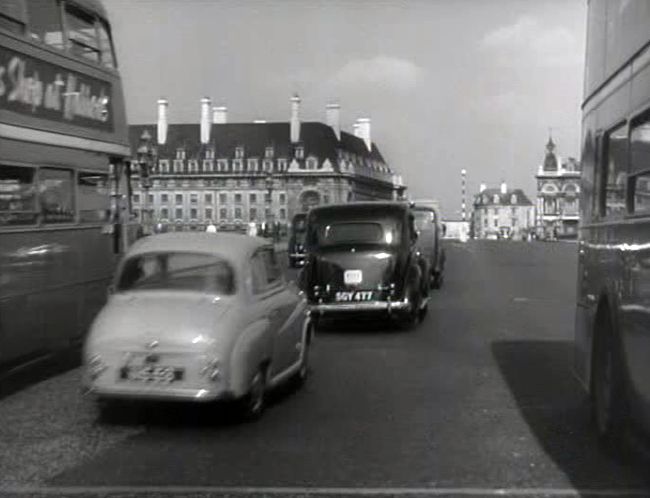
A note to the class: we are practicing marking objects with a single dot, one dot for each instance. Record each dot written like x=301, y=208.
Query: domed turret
x=550, y=161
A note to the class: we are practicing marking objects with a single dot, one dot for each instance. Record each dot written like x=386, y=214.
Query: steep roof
x=317, y=139
x=503, y=199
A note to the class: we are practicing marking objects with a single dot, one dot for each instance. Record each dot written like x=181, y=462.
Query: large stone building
x=558, y=191
x=502, y=214
x=231, y=174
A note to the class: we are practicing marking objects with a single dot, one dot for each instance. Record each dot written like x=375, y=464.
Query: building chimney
x=504, y=188
x=205, y=120
x=219, y=115
x=295, y=119
x=482, y=188
x=332, y=116
x=259, y=121
x=364, y=131
x=162, y=121
x=355, y=129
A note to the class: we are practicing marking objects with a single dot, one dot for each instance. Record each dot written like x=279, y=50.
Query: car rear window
x=354, y=233
x=423, y=220
x=177, y=271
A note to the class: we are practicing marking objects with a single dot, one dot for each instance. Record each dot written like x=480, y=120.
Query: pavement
x=478, y=400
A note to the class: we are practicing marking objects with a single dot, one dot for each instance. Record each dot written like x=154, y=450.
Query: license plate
x=353, y=296
x=352, y=277
x=152, y=374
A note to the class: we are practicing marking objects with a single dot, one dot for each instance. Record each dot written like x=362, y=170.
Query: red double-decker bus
x=63, y=168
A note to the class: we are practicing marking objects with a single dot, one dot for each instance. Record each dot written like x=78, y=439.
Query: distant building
x=558, y=191
x=457, y=230
x=232, y=174
x=502, y=214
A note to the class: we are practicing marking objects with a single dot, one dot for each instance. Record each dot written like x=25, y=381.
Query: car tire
x=409, y=319
x=303, y=372
x=609, y=406
x=254, y=403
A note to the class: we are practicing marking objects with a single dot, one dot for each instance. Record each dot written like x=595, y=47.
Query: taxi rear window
x=354, y=233
x=177, y=271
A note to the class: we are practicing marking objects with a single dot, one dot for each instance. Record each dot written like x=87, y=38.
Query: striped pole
x=463, y=174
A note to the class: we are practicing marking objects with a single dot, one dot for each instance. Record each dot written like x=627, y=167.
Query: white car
x=198, y=317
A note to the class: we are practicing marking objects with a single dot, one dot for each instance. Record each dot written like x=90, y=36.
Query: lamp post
x=269, y=201
x=145, y=158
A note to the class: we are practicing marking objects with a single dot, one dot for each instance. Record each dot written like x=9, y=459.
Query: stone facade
x=558, y=192
x=502, y=214
x=253, y=172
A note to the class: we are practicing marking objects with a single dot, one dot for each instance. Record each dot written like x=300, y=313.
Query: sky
x=449, y=85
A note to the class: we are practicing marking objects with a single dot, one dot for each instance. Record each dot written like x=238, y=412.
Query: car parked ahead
x=430, y=235
x=362, y=258
x=296, y=248
x=198, y=317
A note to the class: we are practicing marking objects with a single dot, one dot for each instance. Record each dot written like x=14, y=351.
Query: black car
x=362, y=258
x=296, y=249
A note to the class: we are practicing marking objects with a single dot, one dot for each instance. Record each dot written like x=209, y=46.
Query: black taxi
x=362, y=258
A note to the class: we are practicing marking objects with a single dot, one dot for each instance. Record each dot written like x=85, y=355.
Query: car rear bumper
x=168, y=394
x=297, y=255
x=369, y=306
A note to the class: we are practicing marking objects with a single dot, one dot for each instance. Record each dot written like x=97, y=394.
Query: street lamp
x=269, y=200
x=145, y=159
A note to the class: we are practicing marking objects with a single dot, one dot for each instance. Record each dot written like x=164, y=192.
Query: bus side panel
x=634, y=317
x=53, y=284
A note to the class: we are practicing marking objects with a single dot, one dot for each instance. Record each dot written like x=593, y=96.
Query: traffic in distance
x=203, y=317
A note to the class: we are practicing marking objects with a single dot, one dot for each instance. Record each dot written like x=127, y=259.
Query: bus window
x=12, y=16
x=640, y=166
x=82, y=35
x=92, y=197
x=45, y=22
x=614, y=173
x=55, y=193
x=17, y=196
x=106, y=45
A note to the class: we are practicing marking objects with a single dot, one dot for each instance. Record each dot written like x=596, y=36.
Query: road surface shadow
x=15, y=379
x=361, y=325
x=556, y=409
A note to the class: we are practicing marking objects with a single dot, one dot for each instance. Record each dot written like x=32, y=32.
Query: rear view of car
x=362, y=259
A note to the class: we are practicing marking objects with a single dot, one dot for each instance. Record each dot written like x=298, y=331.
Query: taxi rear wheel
x=254, y=402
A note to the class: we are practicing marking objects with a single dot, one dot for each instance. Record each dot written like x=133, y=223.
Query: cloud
x=391, y=73
x=530, y=42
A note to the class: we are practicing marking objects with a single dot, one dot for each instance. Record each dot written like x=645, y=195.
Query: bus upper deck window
x=82, y=35
x=106, y=45
x=12, y=16
x=45, y=22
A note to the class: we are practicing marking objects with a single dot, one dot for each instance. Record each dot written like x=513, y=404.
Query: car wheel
x=255, y=401
x=608, y=401
x=411, y=317
x=303, y=371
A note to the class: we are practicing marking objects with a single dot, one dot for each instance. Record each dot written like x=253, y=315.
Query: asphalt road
x=479, y=400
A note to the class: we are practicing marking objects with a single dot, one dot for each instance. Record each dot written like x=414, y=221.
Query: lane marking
x=315, y=491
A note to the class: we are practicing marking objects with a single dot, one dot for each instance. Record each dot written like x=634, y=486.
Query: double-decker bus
x=612, y=329
x=63, y=173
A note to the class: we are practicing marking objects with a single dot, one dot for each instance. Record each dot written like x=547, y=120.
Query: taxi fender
x=253, y=348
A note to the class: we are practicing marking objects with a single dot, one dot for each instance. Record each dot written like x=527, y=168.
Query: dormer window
x=163, y=165
x=209, y=153
x=222, y=165
x=238, y=165
x=208, y=166
x=178, y=165
x=239, y=152
x=312, y=163
x=268, y=153
x=513, y=199
x=180, y=153
x=495, y=199
x=252, y=164
x=282, y=164
x=300, y=152
x=193, y=166
x=267, y=165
